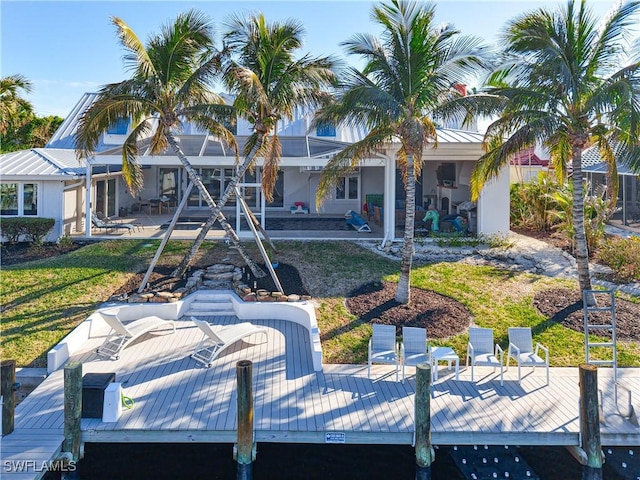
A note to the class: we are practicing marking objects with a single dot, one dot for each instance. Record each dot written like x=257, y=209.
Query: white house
x=50, y=182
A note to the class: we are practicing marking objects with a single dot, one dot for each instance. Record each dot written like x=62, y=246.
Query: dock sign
x=334, y=437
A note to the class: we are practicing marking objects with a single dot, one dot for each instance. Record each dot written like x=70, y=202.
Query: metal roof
x=41, y=162
x=64, y=135
x=209, y=146
x=58, y=157
x=592, y=163
x=452, y=135
x=602, y=168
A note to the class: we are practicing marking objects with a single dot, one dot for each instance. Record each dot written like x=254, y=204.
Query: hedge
x=33, y=229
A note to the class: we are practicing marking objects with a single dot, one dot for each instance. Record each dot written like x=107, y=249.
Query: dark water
x=299, y=461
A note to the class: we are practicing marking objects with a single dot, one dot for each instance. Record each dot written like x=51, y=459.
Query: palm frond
x=131, y=169
x=138, y=58
x=272, y=152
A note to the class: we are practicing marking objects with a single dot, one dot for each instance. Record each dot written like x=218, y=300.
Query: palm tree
x=14, y=109
x=170, y=84
x=269, y=84
x=410, y=72
x=566, y=83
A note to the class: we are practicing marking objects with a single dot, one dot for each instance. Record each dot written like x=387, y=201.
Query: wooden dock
x=178, y=400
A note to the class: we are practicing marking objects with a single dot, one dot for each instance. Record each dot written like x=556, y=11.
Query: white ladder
x=592, y=325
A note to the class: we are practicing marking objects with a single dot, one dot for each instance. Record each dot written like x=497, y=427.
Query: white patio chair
x=215, y=341
x=521, y=350
x=122, y=334
x=413, y=349
x=383, y=347
x=482, y=351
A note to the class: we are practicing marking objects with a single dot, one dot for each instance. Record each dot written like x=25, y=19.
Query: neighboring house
x=65, y=187
x=595, y=171
x=526, y=166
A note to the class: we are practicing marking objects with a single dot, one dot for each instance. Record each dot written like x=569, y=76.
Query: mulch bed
x=25, y=252
x=564, y=306
x=288, y=276
x=442, y=316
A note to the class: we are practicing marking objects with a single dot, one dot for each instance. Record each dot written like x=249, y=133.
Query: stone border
x=220, y=276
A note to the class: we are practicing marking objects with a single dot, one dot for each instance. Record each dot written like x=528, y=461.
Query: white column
x=493, y=205
x=389, y=199
x=87, y=206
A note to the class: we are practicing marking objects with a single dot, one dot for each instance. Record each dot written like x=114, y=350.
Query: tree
x=566, y=83
x=34, y=133
x=15, y=111
x=170, y=85
x=269, y=84
x=410, y=73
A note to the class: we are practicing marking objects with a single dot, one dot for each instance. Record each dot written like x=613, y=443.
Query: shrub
x=596, y=213
x=32, y=229
x=65, y=241
x=622, y=255
x=533, y=203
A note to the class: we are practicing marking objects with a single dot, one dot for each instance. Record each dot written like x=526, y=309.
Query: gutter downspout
x=79, y=183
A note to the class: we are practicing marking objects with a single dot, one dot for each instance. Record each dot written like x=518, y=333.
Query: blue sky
x=68, y=48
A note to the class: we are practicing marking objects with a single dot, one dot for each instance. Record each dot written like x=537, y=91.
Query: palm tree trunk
x=193, y=176
x=403, y=291
x=612, y=190
x=216, y=213
x=582, y=253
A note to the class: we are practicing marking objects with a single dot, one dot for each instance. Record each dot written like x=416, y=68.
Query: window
x=19, y=199
x=347, y=188
x=326, y=130
x=232, y=127
x=215, y=181
x=9, y=198
x=30, y=198
x=120, y=127
x=169, y=182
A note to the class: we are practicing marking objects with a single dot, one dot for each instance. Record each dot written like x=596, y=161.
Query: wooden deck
x=178, y=400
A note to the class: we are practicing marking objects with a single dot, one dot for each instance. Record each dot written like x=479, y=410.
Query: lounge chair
x=356, y=221
x=215, y=341
x=521, y=350
x=110, y=225
x=383, y=347
x=482, y=351
x=123, y=334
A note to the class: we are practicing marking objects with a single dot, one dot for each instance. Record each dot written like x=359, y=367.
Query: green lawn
x=43, y=301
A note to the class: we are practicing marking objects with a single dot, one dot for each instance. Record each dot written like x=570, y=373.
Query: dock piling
x=424, y=455
x=72, y=414
x=8, y=388
x=244, y=451
x=590, y=422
